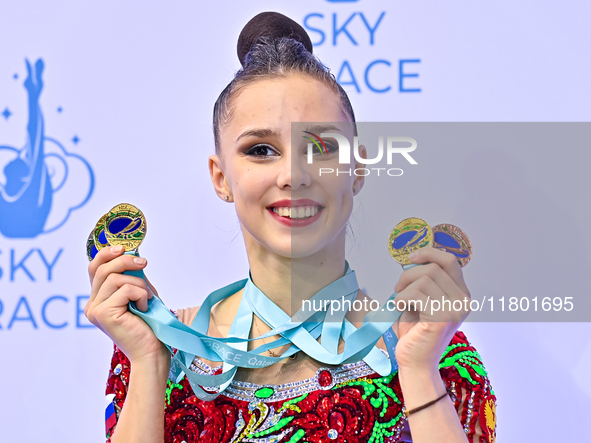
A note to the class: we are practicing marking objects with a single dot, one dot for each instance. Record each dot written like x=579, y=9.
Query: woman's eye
x=261, y=151
x=320, y=149
x=331, y=148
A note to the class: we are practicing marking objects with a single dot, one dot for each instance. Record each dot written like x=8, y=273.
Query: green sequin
x=462, y=359
x=297, y=436
x=387, y=389
x=375, y=390
x=169, y=387
x=383, y=429
x=378, y=391
x=292, y=404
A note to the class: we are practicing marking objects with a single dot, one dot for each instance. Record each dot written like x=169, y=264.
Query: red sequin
x=345, y=409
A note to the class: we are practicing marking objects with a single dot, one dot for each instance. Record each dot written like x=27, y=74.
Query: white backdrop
x=128, y=92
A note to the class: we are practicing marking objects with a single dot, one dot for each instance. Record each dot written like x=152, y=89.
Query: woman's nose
x=293, y=172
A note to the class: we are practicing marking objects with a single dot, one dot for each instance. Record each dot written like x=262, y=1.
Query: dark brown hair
x=271, y=46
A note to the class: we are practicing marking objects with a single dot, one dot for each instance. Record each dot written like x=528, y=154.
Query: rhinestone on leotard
x=324, y=378
x=264, y=392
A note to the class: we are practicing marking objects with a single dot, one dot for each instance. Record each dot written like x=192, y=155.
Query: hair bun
x=272, y=25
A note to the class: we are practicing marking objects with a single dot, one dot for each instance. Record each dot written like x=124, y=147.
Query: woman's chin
x=301, y=250
x=289, y=243
x=292, y=249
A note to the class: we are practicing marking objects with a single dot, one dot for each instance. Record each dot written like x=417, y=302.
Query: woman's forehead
x=276, y=103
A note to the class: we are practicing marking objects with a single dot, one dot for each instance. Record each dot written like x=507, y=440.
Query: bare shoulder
x=187, y=315
x=220, y=318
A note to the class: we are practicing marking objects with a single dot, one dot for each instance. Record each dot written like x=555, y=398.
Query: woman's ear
x=359, y=179
x=218, y=178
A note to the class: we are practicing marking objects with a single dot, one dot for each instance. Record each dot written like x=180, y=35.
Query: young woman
x=293, y=223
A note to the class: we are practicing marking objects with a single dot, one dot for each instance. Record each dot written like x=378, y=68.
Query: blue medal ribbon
x=302, y=330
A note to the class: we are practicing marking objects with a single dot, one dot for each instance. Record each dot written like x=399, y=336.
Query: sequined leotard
x=349, y=404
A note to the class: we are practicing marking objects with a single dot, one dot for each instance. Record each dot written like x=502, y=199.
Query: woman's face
x=283, y=203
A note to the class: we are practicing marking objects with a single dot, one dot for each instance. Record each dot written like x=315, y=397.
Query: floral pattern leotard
x=347, y=404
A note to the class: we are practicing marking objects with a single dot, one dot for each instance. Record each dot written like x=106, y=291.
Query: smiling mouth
x=297, y=213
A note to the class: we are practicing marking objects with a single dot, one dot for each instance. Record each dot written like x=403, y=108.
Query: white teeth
x=297, y=213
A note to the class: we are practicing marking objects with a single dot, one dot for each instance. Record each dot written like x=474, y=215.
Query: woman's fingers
x=152, y=288
x=442, y=267
x=416, y=296
x=115, y=282
x=110, y=305
x=434, y=272
x=107, y=307
x=117, y=265
x=103, y=256
x=106, y=273
x=111, y=259
x=114, y=307
x=425, y=297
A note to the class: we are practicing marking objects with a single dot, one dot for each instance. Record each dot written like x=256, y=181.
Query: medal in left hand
x=414, y=233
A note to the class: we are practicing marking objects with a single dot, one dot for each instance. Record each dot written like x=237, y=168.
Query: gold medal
x=96, y=239
x=91, y=249
x=450, y=238
x=408, y=236
x=125, y=225
x=100, y=240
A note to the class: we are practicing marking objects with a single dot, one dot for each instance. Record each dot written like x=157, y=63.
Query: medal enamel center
x=408, y=236
x=125, y=225
x=450, y=238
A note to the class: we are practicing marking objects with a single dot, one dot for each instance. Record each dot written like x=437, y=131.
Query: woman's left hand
x=425, y=332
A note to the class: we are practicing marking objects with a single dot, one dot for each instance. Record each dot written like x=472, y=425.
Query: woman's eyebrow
x=267, y=132
x=318, y=128
x=258, y=133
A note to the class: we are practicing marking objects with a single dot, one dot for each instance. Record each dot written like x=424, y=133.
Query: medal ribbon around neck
x=302, y=330
x=303, y=334
x=126, y=225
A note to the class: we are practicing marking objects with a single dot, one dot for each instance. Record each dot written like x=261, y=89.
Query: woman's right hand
x=107, y=306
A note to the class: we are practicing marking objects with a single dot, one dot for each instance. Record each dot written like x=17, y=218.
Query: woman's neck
x=289, y=281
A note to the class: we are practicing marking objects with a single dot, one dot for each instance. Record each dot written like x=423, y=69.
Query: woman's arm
x=465, y=379
x=423, y=337
x=141, y=406
x=438, y=422
x=142, y=417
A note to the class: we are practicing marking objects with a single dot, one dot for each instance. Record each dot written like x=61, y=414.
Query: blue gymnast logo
x=41, y=183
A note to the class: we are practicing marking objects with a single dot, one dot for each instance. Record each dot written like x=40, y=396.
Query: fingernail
x=116, y=248
x=412, y=255
x=140, y=261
